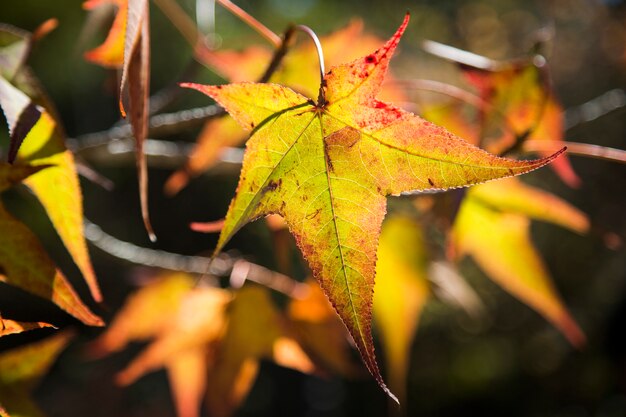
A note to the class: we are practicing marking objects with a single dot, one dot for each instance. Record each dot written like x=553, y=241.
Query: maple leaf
x=256, y=330
x=493, y=227
x=327, y=167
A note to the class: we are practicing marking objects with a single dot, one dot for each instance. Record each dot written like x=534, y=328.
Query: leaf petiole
x=321, y=99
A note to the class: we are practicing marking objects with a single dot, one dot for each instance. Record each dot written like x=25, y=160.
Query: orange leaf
x=12, y=327
x=187, y=375
x=200, y=320
x=111, y=52
x=523, y=105
x=146, y=313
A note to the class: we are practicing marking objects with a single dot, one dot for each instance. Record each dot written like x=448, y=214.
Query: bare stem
x=179, y=19
x=159, y=124
x=460, y=56
x=448, y=90
x=224, y=265
x=576, y=148
x=321, y=100
x=279, y=54
x=263, y=30
x=605, y=103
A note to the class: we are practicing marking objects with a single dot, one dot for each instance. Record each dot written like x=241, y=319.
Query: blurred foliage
x=508, y=362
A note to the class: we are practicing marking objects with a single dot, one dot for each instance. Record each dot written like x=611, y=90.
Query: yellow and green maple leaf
x=327, y=168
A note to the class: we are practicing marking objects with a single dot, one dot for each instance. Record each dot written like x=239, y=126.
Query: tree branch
x=237, y=269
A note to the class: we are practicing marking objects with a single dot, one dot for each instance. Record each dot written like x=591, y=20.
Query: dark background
x=512, y=363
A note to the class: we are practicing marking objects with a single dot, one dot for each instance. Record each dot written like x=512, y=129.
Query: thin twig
x=446, y=89
x=160, y=153
x=461, y=56
x=279, y=54
x=597, y=107
x=159, y=124
x=179, y=19
x=263, y=30
x=202, y=51
x=236, y=269
x=132, y=253
x=576, y=148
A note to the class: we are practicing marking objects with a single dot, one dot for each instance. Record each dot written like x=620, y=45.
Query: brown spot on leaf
x=272, y=185
x=347, y=137
x=371, y=59
x=432, y=184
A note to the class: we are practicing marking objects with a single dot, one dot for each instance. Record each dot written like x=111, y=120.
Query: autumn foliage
x=373, y=201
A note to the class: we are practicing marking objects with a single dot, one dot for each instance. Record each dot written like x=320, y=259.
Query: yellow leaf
x=501, y=245
x=400, y=294
x=295, y=71
x=25, y=264
x=58, y=190
x=512, y=195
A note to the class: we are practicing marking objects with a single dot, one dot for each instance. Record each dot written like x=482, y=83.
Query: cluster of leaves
x=324, y=155
x=38, y=158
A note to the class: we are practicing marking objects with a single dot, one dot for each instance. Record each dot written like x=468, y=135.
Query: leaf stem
x=321, y=99
x=271, y=37
x=576, y=148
